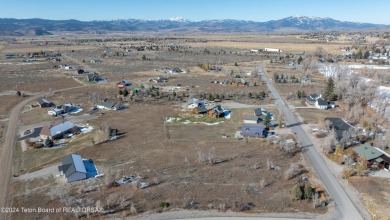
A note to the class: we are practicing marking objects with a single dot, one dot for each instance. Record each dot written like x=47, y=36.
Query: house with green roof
x=369, y=153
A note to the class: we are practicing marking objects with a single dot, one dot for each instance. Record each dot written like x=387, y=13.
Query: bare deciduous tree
x=294, y=170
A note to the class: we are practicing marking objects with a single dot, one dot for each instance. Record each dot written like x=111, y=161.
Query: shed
x=73, y=168
x=251, y=120
x=43, y=103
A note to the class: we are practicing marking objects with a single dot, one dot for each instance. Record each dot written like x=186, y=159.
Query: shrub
x=164, y=205
x=294, y=170
x=308, y=191
x=297, y=192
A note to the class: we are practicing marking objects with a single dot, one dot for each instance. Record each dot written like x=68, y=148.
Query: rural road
x=8, y=148
x=344, y=207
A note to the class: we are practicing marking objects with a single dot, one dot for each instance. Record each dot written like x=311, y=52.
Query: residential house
x=225, y=82
x=108, y=106
x=251, y=120
x=61, y=109
x=43, y=103
x=256, y=131
x=176, y=71
x=216, y=112
x=312, y=98
x=339, y=126
x=73, y=168
x=240, y=82
x=58, y=130
x=95, y=61
x=200, y=110
x=321, y=104
x=159, y=79
x=260, y=111
x=123, y=83
x=304, y=78
x=193, y=103
x=93, y=77
x=372, y=155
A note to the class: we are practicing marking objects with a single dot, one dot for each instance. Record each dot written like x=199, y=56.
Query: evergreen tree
x=299, y=59
x=267, y=120
x=299, y=94
x=297, y=192
x=48, y=142
x=329, y=90
x=18, y=93
x=307, y=192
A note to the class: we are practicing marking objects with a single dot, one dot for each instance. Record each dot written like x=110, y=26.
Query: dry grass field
x=375, y=194
x=287, y=47
x=185, y=181
x=171, y=154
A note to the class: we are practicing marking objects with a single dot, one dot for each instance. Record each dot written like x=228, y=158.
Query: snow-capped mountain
x=179, y=19
x=18, y=27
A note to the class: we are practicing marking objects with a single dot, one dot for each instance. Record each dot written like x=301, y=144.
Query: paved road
x=345, y=208
x=8, y=148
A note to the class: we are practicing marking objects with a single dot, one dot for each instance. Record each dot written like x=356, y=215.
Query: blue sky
x=195, y=10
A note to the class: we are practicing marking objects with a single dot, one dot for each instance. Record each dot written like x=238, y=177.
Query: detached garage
x=73, y=168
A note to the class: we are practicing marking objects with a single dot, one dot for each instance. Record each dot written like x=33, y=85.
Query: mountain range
x=37, y=27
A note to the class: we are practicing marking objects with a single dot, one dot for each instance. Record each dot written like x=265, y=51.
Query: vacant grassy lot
x=375, y=193
x=145, y=150
x=316, y=115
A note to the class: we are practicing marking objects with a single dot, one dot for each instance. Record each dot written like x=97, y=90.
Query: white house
x=273, y=50
x=321, y=104
x=108, y=106
x=61, y=109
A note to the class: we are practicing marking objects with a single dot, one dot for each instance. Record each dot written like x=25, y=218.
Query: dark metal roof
x=258, y=111
x=322, y=102
x=42, y=101
x=339, y=126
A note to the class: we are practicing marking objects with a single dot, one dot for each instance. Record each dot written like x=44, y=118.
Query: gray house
x=93, y=77
x=58, y=130
x=255, y=131
x=73, y=168
x=43, y=103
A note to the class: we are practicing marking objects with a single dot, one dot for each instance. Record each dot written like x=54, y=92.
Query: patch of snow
x=75, y=110
x=85, y=129
x=227, y=114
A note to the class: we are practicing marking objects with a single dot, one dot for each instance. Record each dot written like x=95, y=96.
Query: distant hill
x=38, y=27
